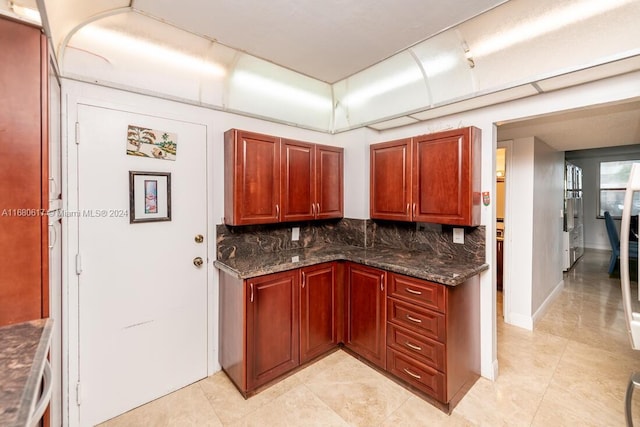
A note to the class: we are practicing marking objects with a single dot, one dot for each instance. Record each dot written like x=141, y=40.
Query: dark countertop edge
x=31, y=387
x=466, y=272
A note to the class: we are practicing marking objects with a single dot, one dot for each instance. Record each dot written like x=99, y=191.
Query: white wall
x=518, y=240
x=548, y=196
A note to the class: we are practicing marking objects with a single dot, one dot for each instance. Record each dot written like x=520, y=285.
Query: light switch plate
x=295, y=233
x=458, y=235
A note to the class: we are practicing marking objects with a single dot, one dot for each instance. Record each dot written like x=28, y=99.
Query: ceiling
x=328, y=40
x=594, y=127
x=334, y=39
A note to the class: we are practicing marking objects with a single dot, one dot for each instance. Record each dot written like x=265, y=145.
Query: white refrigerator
x=631, y=207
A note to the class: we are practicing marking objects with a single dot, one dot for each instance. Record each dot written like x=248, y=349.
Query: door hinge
x=77, y=133
x=78, y=399
x=78, y=264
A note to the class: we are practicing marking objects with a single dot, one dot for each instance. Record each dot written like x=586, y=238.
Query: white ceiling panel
x=328, y=40
x=602, y=126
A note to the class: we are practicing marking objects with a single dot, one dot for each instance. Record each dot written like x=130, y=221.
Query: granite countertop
x=428, y=266
x=23, y=353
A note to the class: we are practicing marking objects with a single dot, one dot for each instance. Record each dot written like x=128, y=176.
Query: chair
x=615, y=243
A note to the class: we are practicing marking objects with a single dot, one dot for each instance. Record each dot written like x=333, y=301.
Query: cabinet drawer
x=428, y=351
x=417, y=374
x=422, y=321
x=421, y=292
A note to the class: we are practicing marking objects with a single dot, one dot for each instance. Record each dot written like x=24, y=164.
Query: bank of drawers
x=416, y=333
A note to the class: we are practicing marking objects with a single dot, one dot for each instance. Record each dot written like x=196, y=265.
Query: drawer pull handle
x=413, y=319
x=413, y=346
x=416, y=376
x=251, y=286
x=413, y=291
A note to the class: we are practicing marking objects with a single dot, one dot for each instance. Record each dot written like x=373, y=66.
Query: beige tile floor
x=572, y=370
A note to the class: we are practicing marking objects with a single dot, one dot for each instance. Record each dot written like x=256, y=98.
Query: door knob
x=197, y=261
x=199, y=238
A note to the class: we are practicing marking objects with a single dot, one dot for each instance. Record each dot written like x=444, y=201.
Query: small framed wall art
x=149, y=196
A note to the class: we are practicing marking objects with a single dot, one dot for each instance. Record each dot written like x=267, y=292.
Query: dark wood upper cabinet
x=269, y=179
x=252, y=178
x=429, y=178
x=24, y=173
x=298, y=180
x=329, y=182
x=390, y=180
x=312, y=181
x=318, y=318
x=447, y=185
x=366, y=313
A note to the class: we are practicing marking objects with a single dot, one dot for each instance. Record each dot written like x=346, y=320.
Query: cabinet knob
x=199, y=238
x=197, y=261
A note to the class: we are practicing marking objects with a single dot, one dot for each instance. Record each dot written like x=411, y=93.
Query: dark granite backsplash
x=245, y=241
x=430, y=238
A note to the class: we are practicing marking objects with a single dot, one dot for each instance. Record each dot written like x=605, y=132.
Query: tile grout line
x=555, y=370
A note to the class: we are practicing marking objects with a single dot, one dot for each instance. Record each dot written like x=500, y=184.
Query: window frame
x=600, y=212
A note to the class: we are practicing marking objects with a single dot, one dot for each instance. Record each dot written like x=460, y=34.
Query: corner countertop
x=23, y=353
x=428, y=266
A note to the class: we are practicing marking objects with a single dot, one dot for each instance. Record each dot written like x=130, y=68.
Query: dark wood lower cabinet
x=424, y=335
x=318, y=317
x=271, y=324
x=272, y=327
x=433, y=336
x=366, y=313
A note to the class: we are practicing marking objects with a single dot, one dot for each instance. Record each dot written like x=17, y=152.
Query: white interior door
x=142, y=301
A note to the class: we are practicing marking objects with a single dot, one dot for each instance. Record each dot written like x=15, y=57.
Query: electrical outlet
x=295, y=233
x=458, y=235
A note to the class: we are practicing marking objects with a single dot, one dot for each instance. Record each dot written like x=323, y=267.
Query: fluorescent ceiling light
x=276, y=89
x=127, y=43
x=26, y=12
x=439, y=64
x=398, y=80
x=546, y=23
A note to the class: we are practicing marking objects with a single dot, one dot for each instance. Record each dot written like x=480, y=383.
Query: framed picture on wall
x=149, y=196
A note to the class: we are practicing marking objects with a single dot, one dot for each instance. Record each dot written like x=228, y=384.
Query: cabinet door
x=329, y=182
x=366, y=313
x=272, y=327
x=446, y=189
x=298, y=181
x=318, y=333
x=252, y=178
x=23, y=174
x=390, y=180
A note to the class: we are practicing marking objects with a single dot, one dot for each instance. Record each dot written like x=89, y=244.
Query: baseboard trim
x=547, y=302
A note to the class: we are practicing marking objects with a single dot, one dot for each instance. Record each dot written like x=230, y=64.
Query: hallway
x=571, y=370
